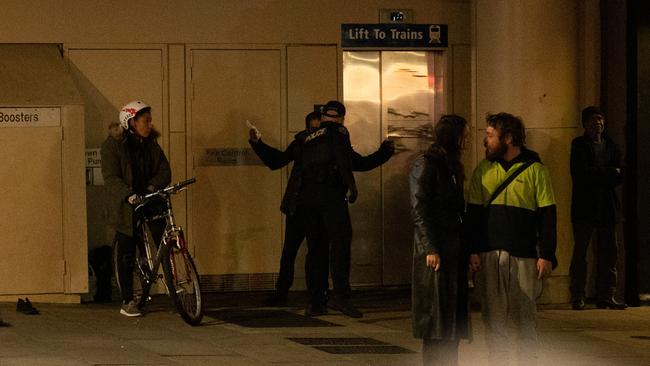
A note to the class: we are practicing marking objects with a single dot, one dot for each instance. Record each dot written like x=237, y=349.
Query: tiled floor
x=95, y=334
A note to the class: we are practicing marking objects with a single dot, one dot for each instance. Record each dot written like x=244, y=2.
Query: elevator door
x=396, y=95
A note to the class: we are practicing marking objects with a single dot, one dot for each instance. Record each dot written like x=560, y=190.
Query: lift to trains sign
x=30, y=117
x=394, y=35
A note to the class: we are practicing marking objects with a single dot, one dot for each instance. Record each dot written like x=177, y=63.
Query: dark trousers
x=125, y=246
x=606, y=257
x=294, y=234
x=101, y=260
x=328, y=222
x=439, y=352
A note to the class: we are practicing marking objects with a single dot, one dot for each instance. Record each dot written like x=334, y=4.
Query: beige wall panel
x=176, y=88
x=177, y=161
x=461, y=94
x=110, y=78
x=32, y=213
x=554, y=147
x=74, y=201
x=211, y=21
x=528, y=65
x=461, y=78
x=312, y=75
x=236, y=224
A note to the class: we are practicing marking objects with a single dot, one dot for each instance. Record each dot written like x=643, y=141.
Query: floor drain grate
x=356, y=341
x=645, y=338
x=356, y=345
x=253, y=318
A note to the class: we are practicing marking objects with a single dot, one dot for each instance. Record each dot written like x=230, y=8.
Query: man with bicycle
x=133, y=164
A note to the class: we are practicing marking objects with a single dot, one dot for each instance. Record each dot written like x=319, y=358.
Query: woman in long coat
x=440, y=260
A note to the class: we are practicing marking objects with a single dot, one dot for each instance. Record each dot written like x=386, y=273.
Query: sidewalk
x=238, y=331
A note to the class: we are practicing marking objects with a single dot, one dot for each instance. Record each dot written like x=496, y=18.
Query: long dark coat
x=439, y=299
x=594, y=197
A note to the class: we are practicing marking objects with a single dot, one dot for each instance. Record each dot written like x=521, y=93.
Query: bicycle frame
x=171, y=233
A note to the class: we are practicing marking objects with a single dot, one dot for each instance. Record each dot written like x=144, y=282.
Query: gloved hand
x=353, y=194
x=134, y=199
x=254, y=135
x=388, y=147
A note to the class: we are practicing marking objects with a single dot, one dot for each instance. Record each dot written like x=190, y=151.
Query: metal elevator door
x=396, y=95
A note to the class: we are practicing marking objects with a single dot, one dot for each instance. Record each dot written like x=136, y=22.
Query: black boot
x=611, y=303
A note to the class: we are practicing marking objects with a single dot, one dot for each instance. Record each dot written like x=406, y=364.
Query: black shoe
x=345, y=306
x=578, y=304
x=611, y=303
x=276, y=299
x=4, y=324
x=316, y=310
x=26, y=307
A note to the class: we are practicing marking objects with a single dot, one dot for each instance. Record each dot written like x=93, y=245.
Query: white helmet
x=129, y=111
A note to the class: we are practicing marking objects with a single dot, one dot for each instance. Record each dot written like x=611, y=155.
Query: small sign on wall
x=94, y=168
x=399, y=35
x=30, y=117
x=227, y=157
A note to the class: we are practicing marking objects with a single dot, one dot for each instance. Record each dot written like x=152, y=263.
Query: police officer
x=294, y=228
x=327, y=187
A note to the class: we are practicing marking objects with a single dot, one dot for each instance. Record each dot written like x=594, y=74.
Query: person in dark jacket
x=327, y=185
x=294, y=228
x=132, y=165
x=439, y=286
x=596, y=171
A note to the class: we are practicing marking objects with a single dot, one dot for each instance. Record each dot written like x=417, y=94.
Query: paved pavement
x=238, y=330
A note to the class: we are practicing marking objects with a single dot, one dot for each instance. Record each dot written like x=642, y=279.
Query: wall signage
x=29, y=117
x=396, y=35
x=228, y=157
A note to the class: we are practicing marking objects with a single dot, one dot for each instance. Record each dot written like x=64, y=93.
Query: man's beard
x=498, y=153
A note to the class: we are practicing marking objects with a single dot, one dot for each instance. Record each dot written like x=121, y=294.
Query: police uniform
x=326, y=178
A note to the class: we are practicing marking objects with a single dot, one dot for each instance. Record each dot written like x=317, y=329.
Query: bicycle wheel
x=182, y=281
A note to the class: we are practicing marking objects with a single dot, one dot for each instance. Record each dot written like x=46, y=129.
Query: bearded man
x=512, y=233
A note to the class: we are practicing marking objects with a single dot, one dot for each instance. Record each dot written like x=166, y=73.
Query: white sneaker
x=130, y=309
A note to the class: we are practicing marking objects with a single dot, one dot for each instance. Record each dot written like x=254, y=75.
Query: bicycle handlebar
x=173, y=189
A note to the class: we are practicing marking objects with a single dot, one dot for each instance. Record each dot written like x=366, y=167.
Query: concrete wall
x=504, y=56
x=534, y=59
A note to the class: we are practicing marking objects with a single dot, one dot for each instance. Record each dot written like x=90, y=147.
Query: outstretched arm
x=365, y=163
x=272, y=157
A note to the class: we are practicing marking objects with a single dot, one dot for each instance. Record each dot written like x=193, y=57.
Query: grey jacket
x=118, y=178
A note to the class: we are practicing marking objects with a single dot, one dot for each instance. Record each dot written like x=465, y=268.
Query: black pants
x=125, y=246
x=606, y=257
x=101, y=259
x=329, y=233
x=439, y=352
x=294, y=234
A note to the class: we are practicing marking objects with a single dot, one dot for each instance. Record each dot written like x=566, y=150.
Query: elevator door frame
x=385, y=279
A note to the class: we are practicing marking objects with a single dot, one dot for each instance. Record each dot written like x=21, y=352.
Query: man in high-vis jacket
x=512, y=233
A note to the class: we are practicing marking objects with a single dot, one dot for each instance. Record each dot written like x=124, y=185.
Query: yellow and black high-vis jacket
x=522, y=218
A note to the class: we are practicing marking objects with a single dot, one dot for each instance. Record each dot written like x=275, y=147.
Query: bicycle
x=179, y=272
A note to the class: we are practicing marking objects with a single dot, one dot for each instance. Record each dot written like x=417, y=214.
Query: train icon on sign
x=435, y=34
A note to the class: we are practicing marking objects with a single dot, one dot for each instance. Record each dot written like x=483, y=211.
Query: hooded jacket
x=118, y=173
x=522, y=218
